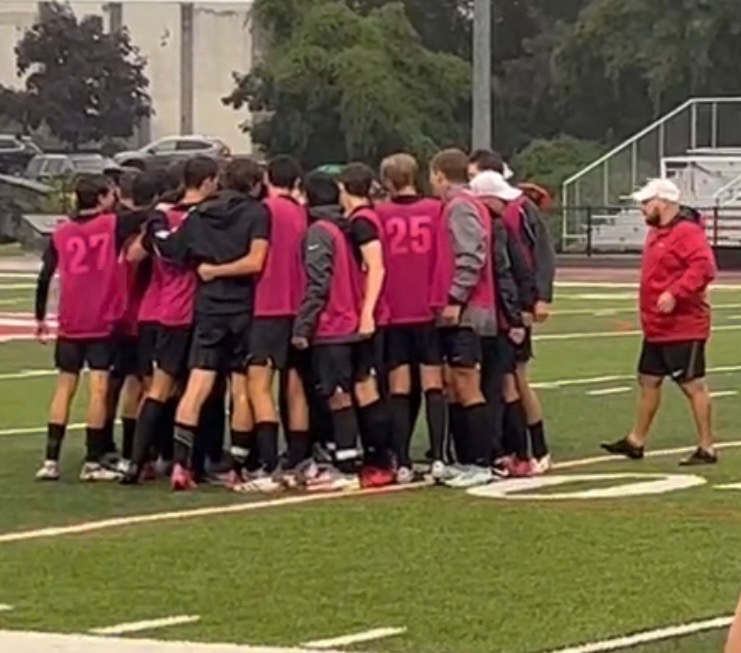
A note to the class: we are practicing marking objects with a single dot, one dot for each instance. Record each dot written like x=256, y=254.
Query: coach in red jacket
x=677, y=267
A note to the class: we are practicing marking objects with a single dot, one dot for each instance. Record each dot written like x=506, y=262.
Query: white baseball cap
x=657, y=189
x=494, y=184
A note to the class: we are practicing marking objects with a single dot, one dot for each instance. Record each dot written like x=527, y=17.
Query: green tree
x=83, y=83
x=337, y=84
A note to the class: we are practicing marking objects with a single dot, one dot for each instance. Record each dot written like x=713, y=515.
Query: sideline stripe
x=723, y=393
x=29, y=430
x=354, y=638
x=25, y=374
x=151, y=624
x=4, y=607
x=649, y=636
x=610, y=391
x=616, y=334
x=632, y=284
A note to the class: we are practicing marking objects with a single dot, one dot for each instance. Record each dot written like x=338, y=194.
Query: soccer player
x=168, y=305
x=277, y=297
x=463, y=291
x=223, y=229
x=85, y=249
x=525, y=226
x=369, y=246
x=678, y=265
x=482, y=160
x=410, y=222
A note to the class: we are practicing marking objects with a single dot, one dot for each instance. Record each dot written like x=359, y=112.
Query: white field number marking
x=647, y=485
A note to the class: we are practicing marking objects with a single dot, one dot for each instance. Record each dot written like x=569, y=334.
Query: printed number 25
x=413, y=235
x=88, y=254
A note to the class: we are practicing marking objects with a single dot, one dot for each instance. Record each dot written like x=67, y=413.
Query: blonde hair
x=399, y=170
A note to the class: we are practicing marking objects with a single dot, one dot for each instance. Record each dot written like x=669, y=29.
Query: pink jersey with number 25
x=409, y=225
x=89, y=303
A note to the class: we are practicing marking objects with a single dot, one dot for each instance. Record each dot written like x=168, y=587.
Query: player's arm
x=469, y=250
x=366, y=236
x=49, y=263
x=697, y=255
x=319, y=265
x=543, y=253
x=508, y=295
x=173, y=245
x=523, y=274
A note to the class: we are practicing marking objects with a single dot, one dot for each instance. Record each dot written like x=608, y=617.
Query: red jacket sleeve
x=693, y=248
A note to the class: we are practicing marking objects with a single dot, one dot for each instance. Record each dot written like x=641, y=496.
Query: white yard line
x=150, y=624
x=17, y=286
x=631, y=284
x=25, y=374
x=4, y=607
x=610, y=391
x=19, y=275
x=616, y=334
x=723, y=393
x=29, y=430
x=648, y=636
x=353, y=638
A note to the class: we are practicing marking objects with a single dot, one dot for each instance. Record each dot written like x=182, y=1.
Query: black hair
x=199, y=169
x=284, y=171
x=321, y=189
x=487, y=160
x=126, y=184
x=89, y=189
x=357, y=178
x=244, y=175
x=145, y=190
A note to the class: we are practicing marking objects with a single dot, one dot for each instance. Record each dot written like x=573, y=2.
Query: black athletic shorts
x=220, y=343
x=338, y=367
x=97, y=354
x=126, y=359
x=145, y=352
x=498, y=356
x=680, y=361
x=171, y=349
x=461, y=347
x=413, y=344
x=270, y=342
x=524, y=351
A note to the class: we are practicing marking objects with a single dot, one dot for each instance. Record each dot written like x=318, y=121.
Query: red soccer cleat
x=182, y=479
x=376, y=477
x=519, y=468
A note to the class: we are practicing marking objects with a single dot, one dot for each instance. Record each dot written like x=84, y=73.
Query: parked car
x=172, y=149
x=50, y=166
x=15, y=153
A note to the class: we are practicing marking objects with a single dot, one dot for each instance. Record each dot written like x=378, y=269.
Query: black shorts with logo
x=126, y=359
x=71, y=355
x=413, y=344
x=221, y=343
x=680, y=361
x=338, y=367
x=270, y=342
x=499, y=356
x=461, y=347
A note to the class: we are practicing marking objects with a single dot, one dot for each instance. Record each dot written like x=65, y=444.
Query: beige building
x=191, y=48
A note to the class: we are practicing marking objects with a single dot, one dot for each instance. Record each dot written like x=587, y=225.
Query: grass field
x=454, y=573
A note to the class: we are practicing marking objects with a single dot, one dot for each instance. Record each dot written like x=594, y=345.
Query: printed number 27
x=413, y=235
x=88, y=254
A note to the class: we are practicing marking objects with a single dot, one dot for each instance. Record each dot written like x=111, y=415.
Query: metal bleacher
x=698, y=145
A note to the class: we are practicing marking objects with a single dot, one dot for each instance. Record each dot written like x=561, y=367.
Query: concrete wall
x=222, y=44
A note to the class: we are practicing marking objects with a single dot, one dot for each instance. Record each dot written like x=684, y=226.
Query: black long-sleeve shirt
x=128, y=225
x=544, y=255
x=508, y=296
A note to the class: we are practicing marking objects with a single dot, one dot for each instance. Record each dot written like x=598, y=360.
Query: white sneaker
x=438, y=471
x=49, y=471
x=540, y=466
x=404, y=476
x=123, y=466
x=266, y=484
x=472, y=477
x=332, y=480
x=92, y=472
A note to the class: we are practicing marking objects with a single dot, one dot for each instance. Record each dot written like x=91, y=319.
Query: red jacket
x=676, y=258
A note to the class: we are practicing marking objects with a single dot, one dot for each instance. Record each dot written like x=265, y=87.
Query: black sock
x=127, y=445
x=400, y=409
x=516, y=429
x=299, y=447
x=242, y=444
x=345, y=427
x=214, y=424
x=165, y=437
x=376, y=434
x=537, y=439
x=267, y=445
x=109, y=443
x=147, y=426
x=436, y=408
x=183, y=445
x=459, y=431
x=94, y=444
x=480, y=437
x=54, y=438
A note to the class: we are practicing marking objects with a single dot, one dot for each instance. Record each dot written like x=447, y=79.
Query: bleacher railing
x=700, y=124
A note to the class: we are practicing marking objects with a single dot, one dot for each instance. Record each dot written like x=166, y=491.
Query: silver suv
x=169, y=150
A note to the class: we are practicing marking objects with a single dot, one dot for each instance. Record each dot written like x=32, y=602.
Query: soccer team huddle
x=268, y=298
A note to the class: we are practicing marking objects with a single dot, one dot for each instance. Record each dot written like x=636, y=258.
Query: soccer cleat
x=122, y=466
x=438, y=471
x=519, y=468
x=623, y=447
x=540, y=466
x=372, y=477
x=111, y=460
x=499, y=471
x=95, y=472
x=404, y=476
x=700, y=456
x=259, y=482
x=49, y=471
x=182, y=479
x=149, y=472
x=332, y=480
x=474, y=476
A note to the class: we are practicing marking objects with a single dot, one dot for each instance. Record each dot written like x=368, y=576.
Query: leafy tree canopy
x=83, y=83
x=338, y=84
